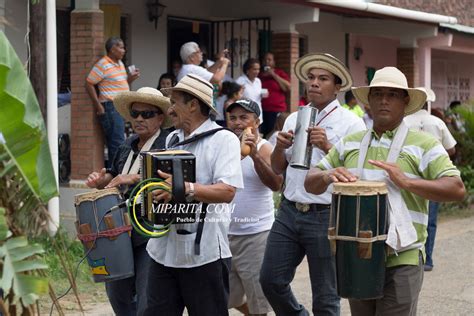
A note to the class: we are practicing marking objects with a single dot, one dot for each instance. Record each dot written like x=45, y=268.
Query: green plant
x=27, y=182
x=19, y=260
x=466, y=111
x=465, y=148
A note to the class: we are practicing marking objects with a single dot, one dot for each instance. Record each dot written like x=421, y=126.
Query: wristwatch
x=190, y=194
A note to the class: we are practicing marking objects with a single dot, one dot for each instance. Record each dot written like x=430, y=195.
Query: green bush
x=71, y=251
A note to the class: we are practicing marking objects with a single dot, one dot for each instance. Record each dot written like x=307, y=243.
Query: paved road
x=447, y=290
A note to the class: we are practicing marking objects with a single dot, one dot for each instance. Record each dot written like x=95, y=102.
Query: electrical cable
x=150, y=231
x=79, y=263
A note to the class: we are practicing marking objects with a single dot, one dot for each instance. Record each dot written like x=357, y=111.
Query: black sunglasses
x=144, y=114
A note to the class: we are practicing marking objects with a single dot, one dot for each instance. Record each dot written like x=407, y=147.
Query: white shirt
x=425, y=122
x=217, y=160
x=252, y=91
x=369, y=122
x=196, y=70
x=220, y=101
x=339, y=123
x=253, y=209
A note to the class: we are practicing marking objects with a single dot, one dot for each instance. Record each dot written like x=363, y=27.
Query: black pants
x=202, y=290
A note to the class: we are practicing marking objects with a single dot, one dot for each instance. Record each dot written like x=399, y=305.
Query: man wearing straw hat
x=301, y=223
x=191, y=264
x=147, y=110
x=424, y=121
x=415, y=167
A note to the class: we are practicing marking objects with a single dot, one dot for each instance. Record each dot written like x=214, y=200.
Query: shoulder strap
x=199, y=136
x=197, y=240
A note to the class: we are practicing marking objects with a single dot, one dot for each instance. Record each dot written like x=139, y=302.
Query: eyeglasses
x=145, y=114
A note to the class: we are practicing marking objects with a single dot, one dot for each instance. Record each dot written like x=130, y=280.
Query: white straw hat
x=196, y=86
x=391, y=77
x=124, y=100
x=326, y=62
x=430, y=95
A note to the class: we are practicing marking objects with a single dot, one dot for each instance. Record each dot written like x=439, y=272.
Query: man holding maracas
x=252, y=216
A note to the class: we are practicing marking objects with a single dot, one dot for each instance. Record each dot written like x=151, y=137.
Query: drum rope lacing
x=114, y=232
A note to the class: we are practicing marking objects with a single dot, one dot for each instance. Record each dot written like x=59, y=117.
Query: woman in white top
x=251, y=82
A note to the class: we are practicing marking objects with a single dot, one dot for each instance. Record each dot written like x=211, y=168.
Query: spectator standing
x=251, y=82
x=192, y=57
x=110, y=77
x=351, y=104
x=277, y=82
x=167, y=80
x=425, y=122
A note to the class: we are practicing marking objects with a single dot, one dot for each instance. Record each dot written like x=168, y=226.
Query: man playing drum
x=415, y=167
x=146, y=109
x=301, y=223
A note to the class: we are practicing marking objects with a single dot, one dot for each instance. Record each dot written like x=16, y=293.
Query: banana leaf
x=22, y=128
x=18, y=261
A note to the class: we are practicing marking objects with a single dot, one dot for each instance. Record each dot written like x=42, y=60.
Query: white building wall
x=325, y=36
x=149, y=48
x=452, y=77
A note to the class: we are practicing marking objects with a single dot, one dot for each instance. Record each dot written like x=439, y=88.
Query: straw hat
x=430, y=95
x=326, y=62
x=391, y=77
x=124, y=100
x=196, y=86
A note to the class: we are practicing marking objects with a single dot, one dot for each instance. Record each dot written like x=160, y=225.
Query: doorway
x=182, y=30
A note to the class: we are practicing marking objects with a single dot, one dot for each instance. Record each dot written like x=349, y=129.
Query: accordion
x=181, y=165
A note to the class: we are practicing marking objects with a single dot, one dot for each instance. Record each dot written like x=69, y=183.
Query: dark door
x=181, y=30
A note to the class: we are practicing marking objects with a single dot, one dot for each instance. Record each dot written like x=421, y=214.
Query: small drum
x=111, y=256
x=358, y=227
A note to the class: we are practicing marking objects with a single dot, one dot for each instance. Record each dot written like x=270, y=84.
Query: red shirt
x=276, y=100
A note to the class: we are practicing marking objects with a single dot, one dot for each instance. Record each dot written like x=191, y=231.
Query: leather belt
x=301, y=207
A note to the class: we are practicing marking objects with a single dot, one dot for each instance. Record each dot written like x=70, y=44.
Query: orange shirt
x=110, y=78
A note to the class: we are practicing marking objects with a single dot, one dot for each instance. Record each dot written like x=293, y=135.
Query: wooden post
x=37, y=64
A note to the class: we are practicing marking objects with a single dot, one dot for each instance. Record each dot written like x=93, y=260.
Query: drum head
x=360, y=188
x=94, y=195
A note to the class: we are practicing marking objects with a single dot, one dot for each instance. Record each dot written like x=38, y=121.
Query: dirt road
x=447, y=290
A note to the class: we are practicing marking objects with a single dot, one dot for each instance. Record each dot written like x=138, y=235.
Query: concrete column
x=425, y=66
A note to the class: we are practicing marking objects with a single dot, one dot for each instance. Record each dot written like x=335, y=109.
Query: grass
x=70, y=251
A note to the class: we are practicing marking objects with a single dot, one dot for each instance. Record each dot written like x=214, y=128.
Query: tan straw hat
x=326, y=62
x=124, y=100
x=391, y=77
x=196, y=86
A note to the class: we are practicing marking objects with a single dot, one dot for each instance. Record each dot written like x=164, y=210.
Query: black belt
x=301, y=207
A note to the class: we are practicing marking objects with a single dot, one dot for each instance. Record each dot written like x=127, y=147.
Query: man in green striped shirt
x=422, y=171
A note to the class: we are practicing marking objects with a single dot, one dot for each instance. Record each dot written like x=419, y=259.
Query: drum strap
x=401, y=233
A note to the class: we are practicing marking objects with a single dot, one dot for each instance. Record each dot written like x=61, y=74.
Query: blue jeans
x=293, y=235
x=113, y=126
x=128, y=296
x=430, y=240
